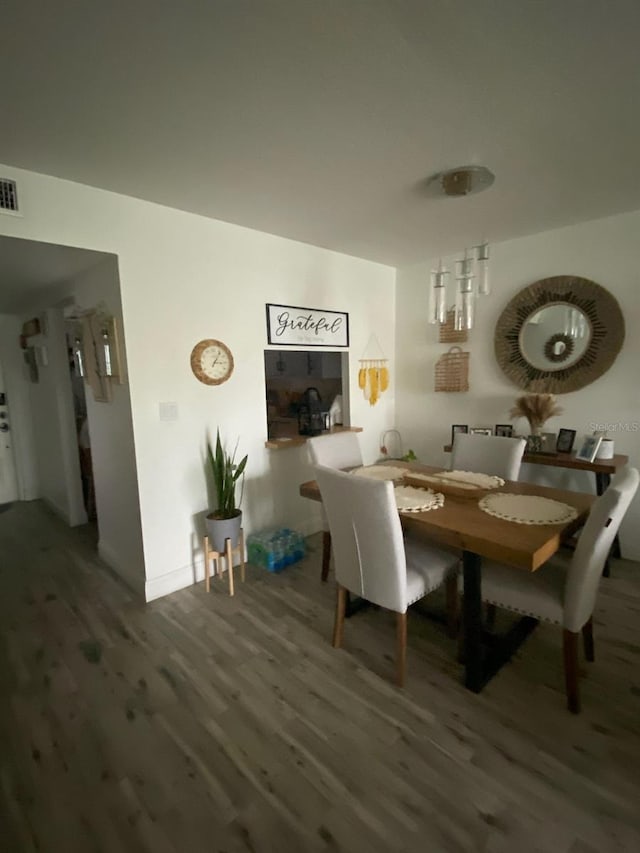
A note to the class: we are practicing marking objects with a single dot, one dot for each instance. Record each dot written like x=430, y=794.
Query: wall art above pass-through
x=291, y=325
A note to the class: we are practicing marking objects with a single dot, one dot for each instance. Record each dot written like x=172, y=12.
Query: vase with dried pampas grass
x=537, y=409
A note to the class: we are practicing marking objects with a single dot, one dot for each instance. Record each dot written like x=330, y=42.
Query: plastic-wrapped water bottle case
x=275, y=549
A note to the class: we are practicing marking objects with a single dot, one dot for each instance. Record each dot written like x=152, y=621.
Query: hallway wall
x=185, y=278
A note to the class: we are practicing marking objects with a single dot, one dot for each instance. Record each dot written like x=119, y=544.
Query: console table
x=602, y=468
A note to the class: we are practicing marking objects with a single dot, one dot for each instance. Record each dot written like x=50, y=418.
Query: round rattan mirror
x=559, y=334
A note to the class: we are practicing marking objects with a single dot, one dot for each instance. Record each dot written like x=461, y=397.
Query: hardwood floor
x=208, y=723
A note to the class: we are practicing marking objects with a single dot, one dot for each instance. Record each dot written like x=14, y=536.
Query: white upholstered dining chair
x=563, y=591
x=372, y=557
x=338, y=450
x=488, y=454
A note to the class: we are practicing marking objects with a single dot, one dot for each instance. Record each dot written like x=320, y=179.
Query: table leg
x=472, y=620
x=354, y=604
x=602, y=483
x=484, y=654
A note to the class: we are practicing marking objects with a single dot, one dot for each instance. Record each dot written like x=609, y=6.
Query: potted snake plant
x=226, y=520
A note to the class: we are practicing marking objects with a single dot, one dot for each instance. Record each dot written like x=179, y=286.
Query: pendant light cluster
x=472, y=277
x=471, y=271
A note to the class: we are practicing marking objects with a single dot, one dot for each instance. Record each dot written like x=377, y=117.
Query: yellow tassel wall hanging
x=373, y=375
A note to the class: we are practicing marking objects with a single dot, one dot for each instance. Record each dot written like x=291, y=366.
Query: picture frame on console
x=481, y=431
x=566, y=438
x=505, y=430
x=589, y=448
x=458, y=428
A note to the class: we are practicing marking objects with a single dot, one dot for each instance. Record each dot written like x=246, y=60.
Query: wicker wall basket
x=449, y=334
x=452, y=371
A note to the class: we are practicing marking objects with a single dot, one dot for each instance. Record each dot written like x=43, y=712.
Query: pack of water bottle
x=275, y=549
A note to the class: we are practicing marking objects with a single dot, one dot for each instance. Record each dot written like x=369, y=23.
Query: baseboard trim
x=174, y=580
x=57, y=511
x=121, y=567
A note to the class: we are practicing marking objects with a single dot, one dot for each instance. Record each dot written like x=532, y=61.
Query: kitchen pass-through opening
x=304, y=391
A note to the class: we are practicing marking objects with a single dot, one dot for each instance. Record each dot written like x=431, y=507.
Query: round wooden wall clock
x=211, y=362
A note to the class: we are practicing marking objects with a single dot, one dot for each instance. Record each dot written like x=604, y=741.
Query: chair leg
x=326, y=554
x=401, y=642
x=570, y=652
x=453, y=605
x=338, y=625
x=587, y=638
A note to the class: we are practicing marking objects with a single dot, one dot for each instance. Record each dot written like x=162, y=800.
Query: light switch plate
x=168, y=411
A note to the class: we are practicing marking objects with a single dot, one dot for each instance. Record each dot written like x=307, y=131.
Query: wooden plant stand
x=217, y=557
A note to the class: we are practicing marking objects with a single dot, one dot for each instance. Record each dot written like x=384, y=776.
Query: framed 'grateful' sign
x=290, y=325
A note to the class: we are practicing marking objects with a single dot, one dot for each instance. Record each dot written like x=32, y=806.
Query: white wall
x=18, y=396
x=111, y=433
x=110, y=428
x=47, y=418
x=52, y=422
x=184, y=278
x=604, y=251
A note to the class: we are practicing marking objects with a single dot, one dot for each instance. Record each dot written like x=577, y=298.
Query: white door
x=8, y=482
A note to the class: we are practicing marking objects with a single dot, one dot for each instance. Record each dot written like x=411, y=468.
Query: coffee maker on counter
x=313, y=417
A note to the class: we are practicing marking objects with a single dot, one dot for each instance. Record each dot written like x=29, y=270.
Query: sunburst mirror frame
x=606, y=327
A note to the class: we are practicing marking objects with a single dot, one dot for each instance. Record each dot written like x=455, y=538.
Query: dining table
x=462, y=525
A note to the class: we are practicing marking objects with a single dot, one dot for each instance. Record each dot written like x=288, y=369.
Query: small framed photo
x=505, y=430
x=458, y=428
x=534, y=444
x=589, y=448
x=566, y=437
x=481, y=431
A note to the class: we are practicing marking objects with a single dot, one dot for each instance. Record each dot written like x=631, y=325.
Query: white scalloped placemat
x=380, y=472
x=480, y=481
x=527, y=509
x=411, y=499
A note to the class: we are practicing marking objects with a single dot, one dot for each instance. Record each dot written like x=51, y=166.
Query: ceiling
x=320, y=120
x=26, y=267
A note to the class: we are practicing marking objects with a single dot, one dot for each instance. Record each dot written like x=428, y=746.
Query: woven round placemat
x=527, y=509
x=410, y=499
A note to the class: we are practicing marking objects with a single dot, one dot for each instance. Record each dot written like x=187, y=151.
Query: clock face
x=211, y=362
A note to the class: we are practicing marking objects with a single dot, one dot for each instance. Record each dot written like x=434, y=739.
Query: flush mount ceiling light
x=462, y=181
x=457, y=183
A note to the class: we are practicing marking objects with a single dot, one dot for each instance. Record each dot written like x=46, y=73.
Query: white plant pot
x=605, y=451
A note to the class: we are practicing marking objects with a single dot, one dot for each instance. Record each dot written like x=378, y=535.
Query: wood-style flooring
x=208, y=723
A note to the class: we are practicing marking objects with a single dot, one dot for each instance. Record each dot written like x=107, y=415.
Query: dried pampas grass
x=536, y=408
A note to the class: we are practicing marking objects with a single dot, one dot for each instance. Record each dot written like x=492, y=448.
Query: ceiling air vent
x=8, y=196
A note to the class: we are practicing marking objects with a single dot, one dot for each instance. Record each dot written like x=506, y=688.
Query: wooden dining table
x=461, y=524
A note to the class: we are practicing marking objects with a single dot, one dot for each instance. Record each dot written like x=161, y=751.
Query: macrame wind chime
x=373, y=376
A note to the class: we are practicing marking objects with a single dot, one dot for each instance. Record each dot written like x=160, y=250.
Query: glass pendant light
x=465, y=305
x=438, y=296
x=482, y=256
x=464, y=315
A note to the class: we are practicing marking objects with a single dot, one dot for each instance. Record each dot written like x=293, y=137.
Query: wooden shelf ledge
x=299, y=440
